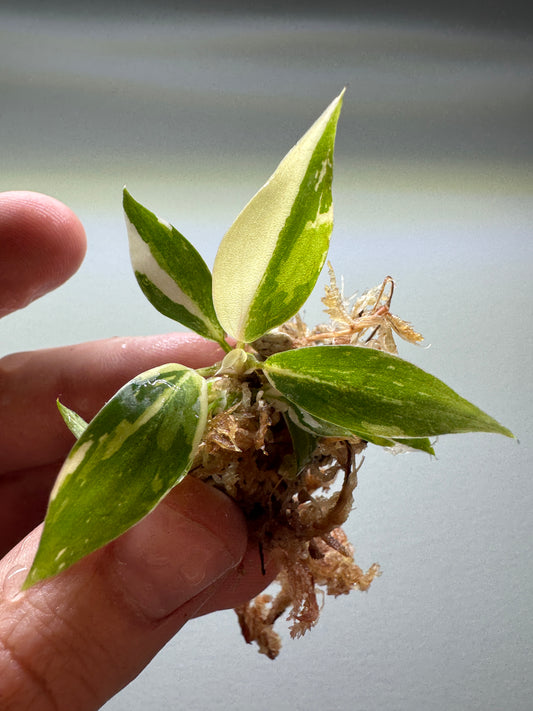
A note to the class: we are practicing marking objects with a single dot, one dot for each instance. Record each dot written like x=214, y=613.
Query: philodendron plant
x=278, y=418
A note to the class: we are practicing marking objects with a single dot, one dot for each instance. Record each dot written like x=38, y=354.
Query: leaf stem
x=225, y=346
x=209, y=370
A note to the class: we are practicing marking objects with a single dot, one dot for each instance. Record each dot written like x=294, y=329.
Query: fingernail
x=185, y=545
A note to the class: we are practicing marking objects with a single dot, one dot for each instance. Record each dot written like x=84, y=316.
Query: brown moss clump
x=295, y=516
x=295, y=513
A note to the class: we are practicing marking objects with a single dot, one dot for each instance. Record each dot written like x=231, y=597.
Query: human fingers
x=83, y=377
x=255, y=572
x=24, y=498
x=76, y=639
x=42, y=243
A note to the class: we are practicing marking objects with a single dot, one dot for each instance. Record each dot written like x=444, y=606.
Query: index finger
x=83, y=377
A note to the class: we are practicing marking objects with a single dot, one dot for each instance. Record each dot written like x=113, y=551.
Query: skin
x=75, y=640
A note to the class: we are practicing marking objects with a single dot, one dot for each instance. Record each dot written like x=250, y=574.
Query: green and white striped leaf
x=373, y=394
x=270, y=258
x=171, y=273
x=73, y=421
x=131, y=454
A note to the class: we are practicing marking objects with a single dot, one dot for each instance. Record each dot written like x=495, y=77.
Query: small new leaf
x=171, y=273
x=374, y=394
x=131, y=454
x=73, y=421
x=270, y=258
x=304, y=444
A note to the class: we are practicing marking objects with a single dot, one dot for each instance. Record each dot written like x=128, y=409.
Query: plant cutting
x=279, y=424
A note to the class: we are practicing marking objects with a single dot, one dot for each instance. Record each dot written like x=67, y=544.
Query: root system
x=294, y=515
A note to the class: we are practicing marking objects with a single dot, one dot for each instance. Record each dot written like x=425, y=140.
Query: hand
x=73, y=641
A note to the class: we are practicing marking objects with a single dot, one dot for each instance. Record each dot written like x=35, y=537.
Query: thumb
x=73, y=641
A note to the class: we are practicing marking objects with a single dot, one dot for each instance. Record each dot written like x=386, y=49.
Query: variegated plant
x=149, y=435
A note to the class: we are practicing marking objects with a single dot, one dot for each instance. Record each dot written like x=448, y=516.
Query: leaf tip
x=127, y=199
x=33, y=577
x=507, y=433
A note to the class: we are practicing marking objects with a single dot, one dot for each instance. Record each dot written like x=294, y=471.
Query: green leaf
x=270, y=258
x=321, y=428
x=373, y=394
x=73, y=421
x=132, y=453
x=171, y=273
x=303, y=442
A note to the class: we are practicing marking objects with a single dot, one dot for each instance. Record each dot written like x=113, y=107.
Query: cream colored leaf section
x=144, y=263
x=247, y=248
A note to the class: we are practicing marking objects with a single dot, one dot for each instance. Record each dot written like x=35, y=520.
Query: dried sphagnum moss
x=296, y=517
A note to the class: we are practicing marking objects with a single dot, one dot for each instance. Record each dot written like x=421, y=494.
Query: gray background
x=433, y=184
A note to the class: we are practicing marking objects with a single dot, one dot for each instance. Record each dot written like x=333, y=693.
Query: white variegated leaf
x=170, y=271
x=127, y=459
x=375, y=395
x=270, y=258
